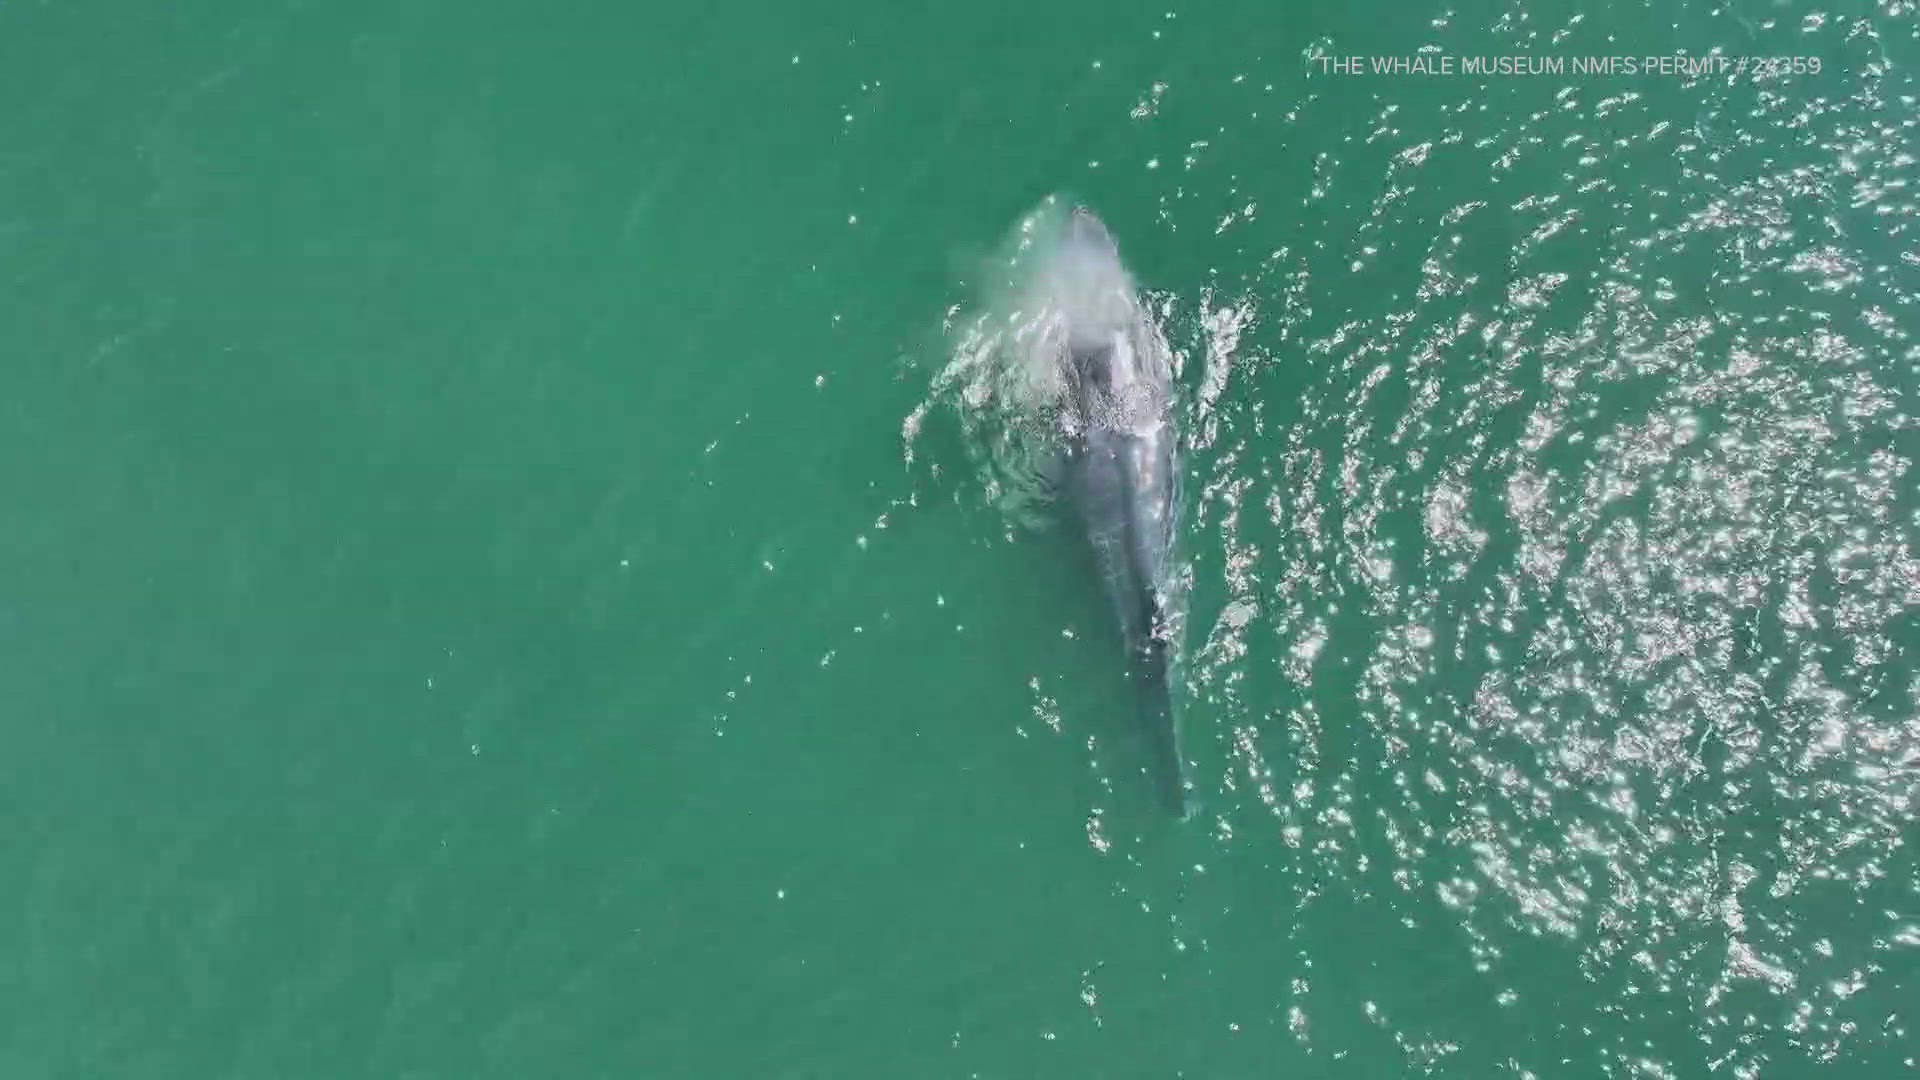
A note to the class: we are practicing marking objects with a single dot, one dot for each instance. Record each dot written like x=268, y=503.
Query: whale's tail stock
x=1168, y=766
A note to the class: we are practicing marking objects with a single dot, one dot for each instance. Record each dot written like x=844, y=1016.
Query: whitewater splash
x=1004, y=377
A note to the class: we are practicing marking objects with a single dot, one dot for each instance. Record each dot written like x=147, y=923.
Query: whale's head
x=1110, y=355
x=1085, y=230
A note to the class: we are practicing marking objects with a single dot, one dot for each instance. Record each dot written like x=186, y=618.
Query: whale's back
x=1125, y=461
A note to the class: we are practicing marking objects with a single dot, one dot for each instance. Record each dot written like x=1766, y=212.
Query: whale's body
x=1121, y=470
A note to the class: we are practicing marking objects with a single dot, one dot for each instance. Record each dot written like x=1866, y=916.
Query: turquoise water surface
x=501, y=576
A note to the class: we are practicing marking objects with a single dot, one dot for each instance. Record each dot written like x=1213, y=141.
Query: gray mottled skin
x=1122, y=473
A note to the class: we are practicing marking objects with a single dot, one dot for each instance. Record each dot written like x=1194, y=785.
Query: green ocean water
x=494, y=583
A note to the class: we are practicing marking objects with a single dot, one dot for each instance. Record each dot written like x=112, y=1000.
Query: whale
x=1121, y=469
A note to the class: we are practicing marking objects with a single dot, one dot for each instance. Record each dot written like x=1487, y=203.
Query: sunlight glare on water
x=1552, y=522
x=1619, y=551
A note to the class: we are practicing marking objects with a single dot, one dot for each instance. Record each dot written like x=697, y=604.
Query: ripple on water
x=1577, y=597
x=1553, y=557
